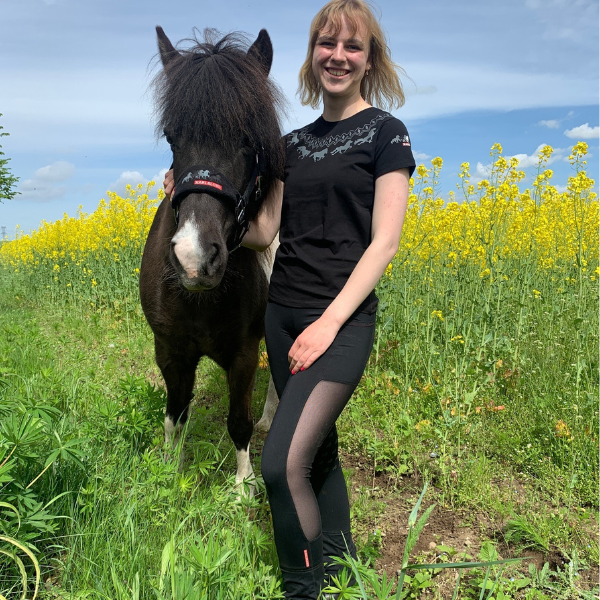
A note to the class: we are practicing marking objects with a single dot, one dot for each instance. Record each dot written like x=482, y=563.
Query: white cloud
x=485, y=87
x=481, y=172
x=424, y=89
x=42, y=187
x=551, y=124
x=569, y=20
x=133, y=178
x=531, y=160
x=58, y=171
x=583, y=132
x=561, y=188
x=159, y=178
x=420, y=155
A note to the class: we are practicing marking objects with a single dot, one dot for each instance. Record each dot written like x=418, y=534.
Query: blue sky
x=75, y=77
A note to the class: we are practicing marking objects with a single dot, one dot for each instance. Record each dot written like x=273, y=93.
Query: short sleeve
x=393, y=149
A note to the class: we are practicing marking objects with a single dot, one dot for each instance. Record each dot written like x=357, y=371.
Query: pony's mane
x=216, y=95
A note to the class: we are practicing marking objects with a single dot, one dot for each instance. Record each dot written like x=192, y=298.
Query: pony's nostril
x=215, y=255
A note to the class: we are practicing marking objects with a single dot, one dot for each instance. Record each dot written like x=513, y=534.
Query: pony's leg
x=178, y=371
x=271, y=404
x=272, y=401
x=240, y=378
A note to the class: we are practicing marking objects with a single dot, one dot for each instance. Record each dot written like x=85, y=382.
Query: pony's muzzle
x=200, y=266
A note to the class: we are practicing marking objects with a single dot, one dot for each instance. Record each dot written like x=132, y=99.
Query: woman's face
x=339, y=62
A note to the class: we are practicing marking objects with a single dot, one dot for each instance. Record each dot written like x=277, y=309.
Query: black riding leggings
x=300, y=467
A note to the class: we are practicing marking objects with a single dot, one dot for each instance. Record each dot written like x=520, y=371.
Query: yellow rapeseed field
x=497, y=220
x=95, y=257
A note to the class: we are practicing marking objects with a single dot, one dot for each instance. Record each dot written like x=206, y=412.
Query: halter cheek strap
x=200, y=179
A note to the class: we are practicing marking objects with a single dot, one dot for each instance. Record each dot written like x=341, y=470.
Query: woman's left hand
x=311, y=344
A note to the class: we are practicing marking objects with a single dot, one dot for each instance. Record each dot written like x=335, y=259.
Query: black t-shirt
x=330, y=174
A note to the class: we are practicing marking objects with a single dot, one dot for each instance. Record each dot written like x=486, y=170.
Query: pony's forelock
x=214, y=94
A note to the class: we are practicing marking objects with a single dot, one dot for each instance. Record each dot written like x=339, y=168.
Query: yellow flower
x=421, y=425
x=263, y=361
x=562, y=430
x=438, y=314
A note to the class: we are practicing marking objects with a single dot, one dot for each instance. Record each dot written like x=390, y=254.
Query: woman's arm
x=265, y=226
x=389, y=209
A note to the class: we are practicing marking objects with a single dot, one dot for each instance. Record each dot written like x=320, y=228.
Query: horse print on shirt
x=303, y=151
x=342, y=149
x=317, y=156
x=404, y=139
x=368, y=138
x=319, y=147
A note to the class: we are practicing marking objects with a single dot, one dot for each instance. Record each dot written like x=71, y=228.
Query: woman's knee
x=273, y=466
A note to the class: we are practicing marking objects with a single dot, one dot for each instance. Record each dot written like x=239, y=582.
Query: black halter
x=199, y=178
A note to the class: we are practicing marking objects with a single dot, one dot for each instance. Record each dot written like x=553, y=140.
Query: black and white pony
x=201, y=294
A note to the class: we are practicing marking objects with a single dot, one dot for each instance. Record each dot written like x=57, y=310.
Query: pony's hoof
x=245, y=489
x=174, y=454
x=263, y=425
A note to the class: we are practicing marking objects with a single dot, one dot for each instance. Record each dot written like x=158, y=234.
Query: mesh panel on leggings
x=322, y=408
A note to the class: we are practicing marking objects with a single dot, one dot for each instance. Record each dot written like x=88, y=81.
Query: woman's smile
x=337, y=72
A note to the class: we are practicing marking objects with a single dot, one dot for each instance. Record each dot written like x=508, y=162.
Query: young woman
x=339, y=213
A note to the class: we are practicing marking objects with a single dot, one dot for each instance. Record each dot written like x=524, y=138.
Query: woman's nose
x=338, y=53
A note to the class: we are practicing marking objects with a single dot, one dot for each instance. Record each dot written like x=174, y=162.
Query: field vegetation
x=482, y=388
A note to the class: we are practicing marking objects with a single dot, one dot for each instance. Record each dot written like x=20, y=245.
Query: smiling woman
x=353, y=32
x=339, y=220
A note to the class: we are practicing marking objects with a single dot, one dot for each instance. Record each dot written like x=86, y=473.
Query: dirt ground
x=465, y=532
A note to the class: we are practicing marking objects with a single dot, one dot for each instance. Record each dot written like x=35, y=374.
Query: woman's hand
x=169, y=183
x=311, y=344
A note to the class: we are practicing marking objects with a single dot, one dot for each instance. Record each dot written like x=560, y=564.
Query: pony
x=201, y=293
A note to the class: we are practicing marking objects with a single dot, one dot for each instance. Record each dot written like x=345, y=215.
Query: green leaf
x=465, y=565
x=488, y=552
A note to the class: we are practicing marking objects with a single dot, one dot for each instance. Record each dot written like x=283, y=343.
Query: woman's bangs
x=334, y=21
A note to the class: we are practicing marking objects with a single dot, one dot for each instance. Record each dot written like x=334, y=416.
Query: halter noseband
x=198, y=178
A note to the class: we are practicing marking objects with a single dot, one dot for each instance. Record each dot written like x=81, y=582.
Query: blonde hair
x=381, y=86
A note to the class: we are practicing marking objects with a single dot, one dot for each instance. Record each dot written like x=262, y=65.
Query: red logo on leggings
x=306, y=558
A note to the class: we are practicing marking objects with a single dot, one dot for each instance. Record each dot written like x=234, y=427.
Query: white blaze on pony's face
x=199, y=251
x=187, y=248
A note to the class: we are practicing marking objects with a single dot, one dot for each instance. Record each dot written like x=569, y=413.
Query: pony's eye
x=168, y=138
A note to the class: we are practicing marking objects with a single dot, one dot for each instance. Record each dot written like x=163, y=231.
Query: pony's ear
x=262, y=50
x=166, y=49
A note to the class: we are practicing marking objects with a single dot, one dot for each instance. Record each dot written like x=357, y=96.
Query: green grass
x=83, y=464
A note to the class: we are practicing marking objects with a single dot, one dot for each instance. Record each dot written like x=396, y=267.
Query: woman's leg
x=305, y=484
x=330, y=489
